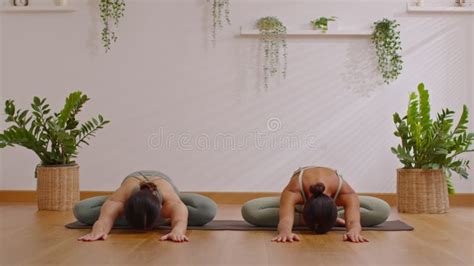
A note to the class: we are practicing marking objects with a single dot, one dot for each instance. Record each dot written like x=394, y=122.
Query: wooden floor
x=31, y=237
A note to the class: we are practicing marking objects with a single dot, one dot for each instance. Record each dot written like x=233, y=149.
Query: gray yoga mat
x=235, y=225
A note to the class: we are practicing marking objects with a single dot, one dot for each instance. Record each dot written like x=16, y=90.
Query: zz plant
x=111, y=11
x=322, y=23
x=54, y=138
x=432, y=144
x=220, y=12
x=273, y=34
x=386, y=39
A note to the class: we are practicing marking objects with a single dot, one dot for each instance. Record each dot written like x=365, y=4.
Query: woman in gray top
x=145, y=200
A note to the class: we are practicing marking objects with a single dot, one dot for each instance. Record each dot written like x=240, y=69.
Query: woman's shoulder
x=125, y=190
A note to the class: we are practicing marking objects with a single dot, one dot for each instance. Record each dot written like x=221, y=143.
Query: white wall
x=164, y=75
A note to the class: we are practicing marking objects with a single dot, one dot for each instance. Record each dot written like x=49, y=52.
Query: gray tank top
x=150, y=176
x=157, y=192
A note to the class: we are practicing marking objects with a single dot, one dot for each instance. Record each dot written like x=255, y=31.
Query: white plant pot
x=420, y=2
x=60, y=2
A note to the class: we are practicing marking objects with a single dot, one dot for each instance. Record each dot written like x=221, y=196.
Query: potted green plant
x=220, y=11
x=55, y=139
x=273, y=36
x=429, y=151
x=387, y=44
x=111, y=11
x=322, y=23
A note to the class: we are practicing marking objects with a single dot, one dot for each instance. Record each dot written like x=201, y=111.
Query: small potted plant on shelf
x=322, y=23
x=429, y=152
x=273, y=36
x=55, y=139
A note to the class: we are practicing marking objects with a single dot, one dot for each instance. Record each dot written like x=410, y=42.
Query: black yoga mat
x=235, y=225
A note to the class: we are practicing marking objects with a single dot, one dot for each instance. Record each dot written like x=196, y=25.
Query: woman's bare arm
x=108, y=213
x=351, y=205
x=179, y=221
x=174, y=209
x=287, y=216
x=110, y=210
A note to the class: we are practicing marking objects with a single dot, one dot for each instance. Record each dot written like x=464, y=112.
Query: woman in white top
x=311, y=198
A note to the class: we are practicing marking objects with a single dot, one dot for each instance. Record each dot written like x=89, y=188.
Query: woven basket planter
x=57, y=187
x=422, y=191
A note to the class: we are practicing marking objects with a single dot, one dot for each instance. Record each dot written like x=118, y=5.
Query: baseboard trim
x=460, y=199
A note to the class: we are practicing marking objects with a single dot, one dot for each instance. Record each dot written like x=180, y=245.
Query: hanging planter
x=111, y=11
x=273, y=34
x=220, y=13
x=386, y=39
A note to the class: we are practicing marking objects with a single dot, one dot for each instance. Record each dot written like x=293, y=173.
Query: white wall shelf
x=439, y=9
x=31, y=9
x=253, y=32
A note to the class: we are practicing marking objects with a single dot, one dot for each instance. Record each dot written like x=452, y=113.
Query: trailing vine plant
x=322, y=23
x=111, y=11
x=386, y=39
x=220, y=12
x=273, y=34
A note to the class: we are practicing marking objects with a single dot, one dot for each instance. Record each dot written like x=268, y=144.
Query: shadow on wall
x=250, y=64
x=206, y=21
x=94, y=35
x=360, y=69
x=250, y=58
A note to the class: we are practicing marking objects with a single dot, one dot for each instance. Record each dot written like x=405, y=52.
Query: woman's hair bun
x=317, y=189
x=148, y=185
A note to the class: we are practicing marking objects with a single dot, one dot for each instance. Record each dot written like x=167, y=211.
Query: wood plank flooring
x=29, y=237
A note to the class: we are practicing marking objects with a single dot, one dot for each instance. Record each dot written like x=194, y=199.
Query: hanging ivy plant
x=274, y=47
x=110, y=12
x=220, y=12
x=386, y=39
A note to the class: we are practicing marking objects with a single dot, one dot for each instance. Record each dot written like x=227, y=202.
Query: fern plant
x=54, y=138
x=273, y=34
x=432, y=144
x=386, y=39
x=111, y=11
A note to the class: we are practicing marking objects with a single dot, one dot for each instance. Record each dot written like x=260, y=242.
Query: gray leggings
x=201, y=209
x=265, y=211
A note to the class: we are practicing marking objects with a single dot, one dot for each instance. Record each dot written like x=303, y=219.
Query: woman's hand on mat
x=286, y=237
x=99, y=232
x=175, y=237
x=93, y=236
x=354, y=236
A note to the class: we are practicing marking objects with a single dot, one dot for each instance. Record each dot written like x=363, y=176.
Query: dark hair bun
x=317, y=189
x=148, y=186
